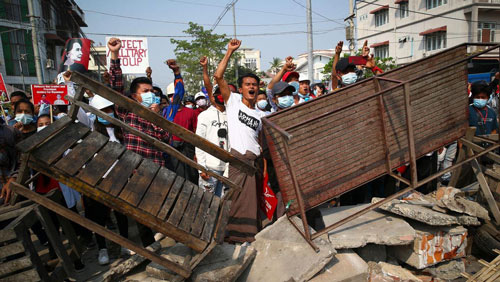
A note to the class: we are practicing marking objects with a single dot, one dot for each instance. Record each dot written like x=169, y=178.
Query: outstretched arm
x=370, y=59
x=206, y=79
x=288, y=66
x=115, y=71
x=233, y=45
x=170, y=112
x=336, y=58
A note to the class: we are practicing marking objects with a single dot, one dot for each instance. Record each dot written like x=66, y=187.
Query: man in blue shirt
x=481, y=116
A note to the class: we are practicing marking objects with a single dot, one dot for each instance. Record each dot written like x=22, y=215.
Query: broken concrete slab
x=426, y=215
x=372, y=252
x=432, y=245
x=347, y=266
x=372, y=227
x=385, y=272
x=448, y=270
x=452, y=199
x=177, y=253
x=224, y=263
x=284, y=255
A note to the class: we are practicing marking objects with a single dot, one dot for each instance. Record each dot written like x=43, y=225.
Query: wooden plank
x=192, y=208
x=82, y=153
x=139, y=183
x=25, y=203
x=25, y=237
x=210, y=222
x=181, y=204
x=14, y=265
x=121, y=206
x=172, y=196
x=7, y=235
x=11, y=249
x=160, y=145
x=14, y=213
x=28, y=275
x=73, y=111
x=56, y=146
x=158, y=191
x=101, y=163
x=119, y=174
x=486, y=190
x=102, y=230
x=175, y=129
x=34, y=140
x=202, y=214
x=220, y=232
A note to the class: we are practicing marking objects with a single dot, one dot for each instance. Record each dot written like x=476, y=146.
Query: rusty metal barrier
x=326, y=147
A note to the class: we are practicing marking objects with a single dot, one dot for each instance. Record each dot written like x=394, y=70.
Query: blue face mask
x=349, y=78
x=305, y=97
x=105, y=122
x=285, y=101
x=315, y=92
x=157, y=100
x=147, y=99
x=296, y=85
x=480, y=103
x=24, y=118
x=262, y=104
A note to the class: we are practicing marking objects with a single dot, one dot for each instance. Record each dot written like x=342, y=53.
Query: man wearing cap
x=304, y=93
x=201, y=102
x=289, y=76
x=283, y=95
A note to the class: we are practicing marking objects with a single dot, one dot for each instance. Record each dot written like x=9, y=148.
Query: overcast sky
x=275, y=27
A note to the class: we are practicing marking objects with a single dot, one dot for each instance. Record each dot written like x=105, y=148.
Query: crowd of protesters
x=226, y=115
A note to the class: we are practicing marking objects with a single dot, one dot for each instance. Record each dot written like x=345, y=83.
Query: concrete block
x=451, y=199
x=385, y=272
x=177, y=253
x=447, y=270
x=372, y=252
x=224, y=263
x=283, y=254
x=372, y=227
x=347, y=266
x=432, y=245
x=425, y=214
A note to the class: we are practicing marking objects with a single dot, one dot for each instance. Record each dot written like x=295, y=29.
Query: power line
x=318, y=14
x=223, y=13
x=421, y=13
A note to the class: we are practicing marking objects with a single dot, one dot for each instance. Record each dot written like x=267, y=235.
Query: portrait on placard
x=49, y=94
x=76, y=55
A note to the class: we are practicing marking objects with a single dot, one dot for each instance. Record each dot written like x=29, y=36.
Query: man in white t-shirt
x=244, y=127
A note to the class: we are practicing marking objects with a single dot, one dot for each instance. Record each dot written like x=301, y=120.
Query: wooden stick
x=51, y=114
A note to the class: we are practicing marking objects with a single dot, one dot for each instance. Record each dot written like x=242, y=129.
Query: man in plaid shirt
x=140, y=90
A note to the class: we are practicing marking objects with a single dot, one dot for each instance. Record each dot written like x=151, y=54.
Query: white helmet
x=100, y=103
x=199, y=95
x=170, y=89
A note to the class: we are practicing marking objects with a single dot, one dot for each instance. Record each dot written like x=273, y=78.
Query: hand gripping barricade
x=134, y=186
x=326, y=147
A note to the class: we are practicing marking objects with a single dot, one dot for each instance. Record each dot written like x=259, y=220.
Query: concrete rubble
x=346, y=266
x=372, y=227
x=447, y=270
x=432, y=245
x=283, y=254
x=450, y=198
x=386, y=272
x=425, y=214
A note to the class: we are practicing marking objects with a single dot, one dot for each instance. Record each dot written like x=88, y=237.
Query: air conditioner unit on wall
x=49, y=64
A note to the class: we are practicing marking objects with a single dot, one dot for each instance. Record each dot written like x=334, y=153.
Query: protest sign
x=4, y=97
x=76, y=55
x=49, y=94
x=134, y=56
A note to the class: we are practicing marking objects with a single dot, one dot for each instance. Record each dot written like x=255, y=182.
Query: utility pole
x=34, y=38
x=310, y=62
x=351, y=26
x=234, y=29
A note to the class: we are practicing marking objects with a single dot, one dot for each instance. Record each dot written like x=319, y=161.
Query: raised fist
x=149, y=71
x=234, y=44
x=203, y=61
x=114, y=44
x=172, y=64
x=338, y=49
x=366, y=50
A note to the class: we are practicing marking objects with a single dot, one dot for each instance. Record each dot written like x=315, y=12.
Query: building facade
x=250, y=58
x=55, y=20
x=320, y=59
x=408, y=30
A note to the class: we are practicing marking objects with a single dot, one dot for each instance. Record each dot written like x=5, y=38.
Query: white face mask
x=201, y=102
x=189, y=106
x=40, y=128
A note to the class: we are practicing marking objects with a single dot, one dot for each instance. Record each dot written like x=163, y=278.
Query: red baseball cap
x=290, y=74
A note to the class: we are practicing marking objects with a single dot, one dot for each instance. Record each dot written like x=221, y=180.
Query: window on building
x=403, y=10
x=435, y=3
x=381, y=17
x=14, y=10
x=251, y=63
x=18, y=53
x=486, y=32
x=435, y=41
x=382, y=51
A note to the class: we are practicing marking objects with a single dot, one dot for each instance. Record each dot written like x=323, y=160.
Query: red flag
x=268, y=201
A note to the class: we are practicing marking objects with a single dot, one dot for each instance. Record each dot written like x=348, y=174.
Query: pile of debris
x=417, y=238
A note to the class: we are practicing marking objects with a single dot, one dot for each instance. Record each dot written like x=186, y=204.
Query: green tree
x=230, y=74
x=189, y=52
x=275, y=65
x=384, y=64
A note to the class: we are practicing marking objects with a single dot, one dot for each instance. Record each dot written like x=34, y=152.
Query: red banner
x=49, y=94
x=76, y=55
x=268, y=201
x=4, y=97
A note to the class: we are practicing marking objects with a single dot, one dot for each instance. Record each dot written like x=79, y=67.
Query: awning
x=386, y=7
x=379, y=44
x=429, y=31
x=54, y=37
x=400, y=1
